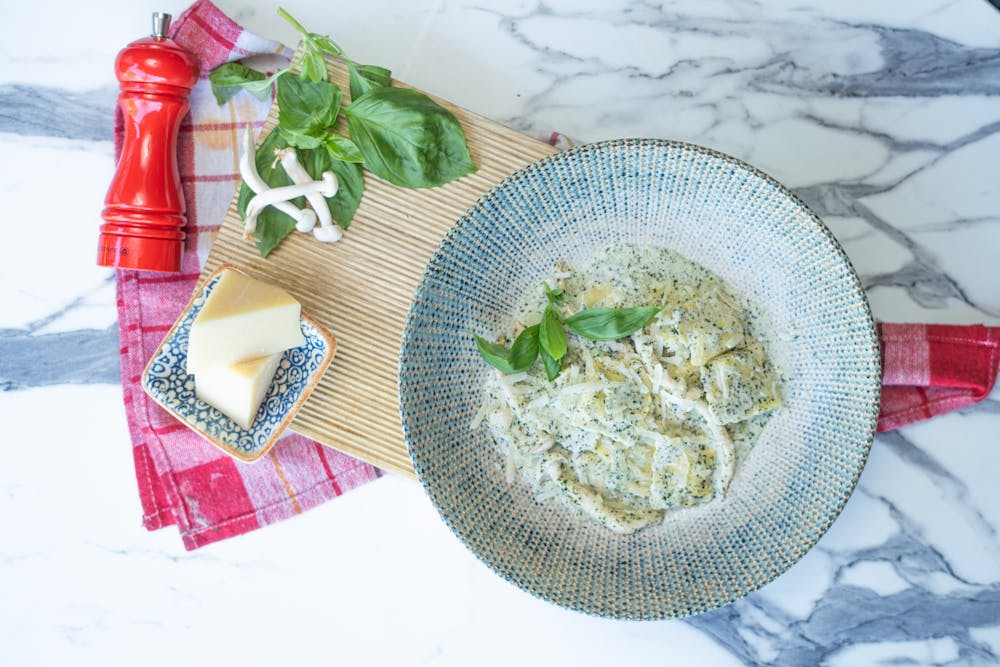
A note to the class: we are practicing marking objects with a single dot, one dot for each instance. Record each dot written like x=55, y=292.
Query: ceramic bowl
x=739, y=223
x=167, y=382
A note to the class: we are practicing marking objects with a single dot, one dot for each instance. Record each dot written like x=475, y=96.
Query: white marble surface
x=884, y=116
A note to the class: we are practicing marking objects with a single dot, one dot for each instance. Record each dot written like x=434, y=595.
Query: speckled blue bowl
x=714, y=210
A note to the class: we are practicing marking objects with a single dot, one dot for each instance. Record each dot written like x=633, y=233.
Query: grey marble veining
x=43, y=111
x=849, y=615
x=883, y=117
x=94, y=359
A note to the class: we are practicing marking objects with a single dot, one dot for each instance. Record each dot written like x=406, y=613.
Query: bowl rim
x=741, y=590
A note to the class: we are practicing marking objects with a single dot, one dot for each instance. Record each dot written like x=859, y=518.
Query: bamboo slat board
x=360, y=288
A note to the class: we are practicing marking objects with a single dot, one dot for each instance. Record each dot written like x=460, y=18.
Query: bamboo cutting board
x=360, y=288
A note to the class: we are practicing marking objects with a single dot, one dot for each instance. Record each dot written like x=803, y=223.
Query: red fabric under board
x=184, y=481
x=931, y=369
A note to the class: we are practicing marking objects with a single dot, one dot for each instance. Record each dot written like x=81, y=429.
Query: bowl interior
x=737, y=222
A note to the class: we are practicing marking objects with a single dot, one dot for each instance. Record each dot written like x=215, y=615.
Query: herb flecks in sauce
x=624, y=429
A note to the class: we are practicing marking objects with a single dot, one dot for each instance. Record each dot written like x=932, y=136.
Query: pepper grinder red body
x=144, y=208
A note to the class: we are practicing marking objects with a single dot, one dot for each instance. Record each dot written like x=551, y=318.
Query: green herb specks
x=549, y=337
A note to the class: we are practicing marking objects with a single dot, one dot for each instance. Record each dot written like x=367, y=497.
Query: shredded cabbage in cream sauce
x=634, y=428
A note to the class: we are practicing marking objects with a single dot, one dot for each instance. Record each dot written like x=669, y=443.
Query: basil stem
x=555, y=296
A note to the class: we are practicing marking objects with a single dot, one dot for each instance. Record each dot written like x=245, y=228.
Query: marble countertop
x=883, y=116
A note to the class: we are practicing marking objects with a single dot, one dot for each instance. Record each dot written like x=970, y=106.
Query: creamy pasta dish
x=633, y=428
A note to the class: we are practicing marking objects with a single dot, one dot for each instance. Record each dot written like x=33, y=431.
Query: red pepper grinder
x=144, y=208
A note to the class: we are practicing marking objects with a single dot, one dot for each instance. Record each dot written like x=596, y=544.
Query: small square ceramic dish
x=168, y=383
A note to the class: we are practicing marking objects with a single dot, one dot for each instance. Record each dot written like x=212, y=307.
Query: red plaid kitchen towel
x=183, y=480
x=931, y=369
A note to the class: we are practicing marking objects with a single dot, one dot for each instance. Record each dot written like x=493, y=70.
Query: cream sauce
x=634, y=428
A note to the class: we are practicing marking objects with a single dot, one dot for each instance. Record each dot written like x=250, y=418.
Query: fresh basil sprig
x=399, y=134
x=548, y=338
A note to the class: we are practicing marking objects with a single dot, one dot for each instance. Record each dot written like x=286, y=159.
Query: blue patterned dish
x=714, y=210
x=167, y=382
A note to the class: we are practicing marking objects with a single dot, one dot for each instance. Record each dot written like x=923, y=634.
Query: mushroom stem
x=305, y=219
x=327, y=231
x=284, y=193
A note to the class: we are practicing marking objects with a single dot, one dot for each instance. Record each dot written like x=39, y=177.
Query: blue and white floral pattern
x=169, y=384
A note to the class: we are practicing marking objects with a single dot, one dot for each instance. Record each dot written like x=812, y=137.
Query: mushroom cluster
x=303, y=185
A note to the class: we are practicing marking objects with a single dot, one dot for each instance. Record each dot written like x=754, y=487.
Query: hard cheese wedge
x=243, y=318
x=237, y=390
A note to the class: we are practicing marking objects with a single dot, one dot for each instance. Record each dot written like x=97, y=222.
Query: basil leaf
x=313, y=67
x=524, y=351
x=555, y=296
x=518, y=358
x=229, y=78
x=262, y=89
x=552, y=366
x=365, y=77
x=301, y=138
x=272, y=224
x=342, y=148
x=326, y=45
x=610, y=323
x=407, y=138
x=551, y=335
x=496, y=355
x=351, y=182
x=307, y=107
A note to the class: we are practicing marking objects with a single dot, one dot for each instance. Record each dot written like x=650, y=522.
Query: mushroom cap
x=330, y=184
x=306, y=220
x=328, y=234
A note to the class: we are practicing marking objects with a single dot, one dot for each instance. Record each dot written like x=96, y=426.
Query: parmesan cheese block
x=243, y=318
x=237, y=390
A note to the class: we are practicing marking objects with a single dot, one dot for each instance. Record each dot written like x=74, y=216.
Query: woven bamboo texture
x=361, y=288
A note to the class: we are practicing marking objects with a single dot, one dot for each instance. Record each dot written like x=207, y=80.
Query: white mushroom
x=330, y=234
x=284, y=193
x=328, y=231
x=305, y=219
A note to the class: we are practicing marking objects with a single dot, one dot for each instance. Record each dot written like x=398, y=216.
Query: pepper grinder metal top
x=161, y=24
x=144, y=208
